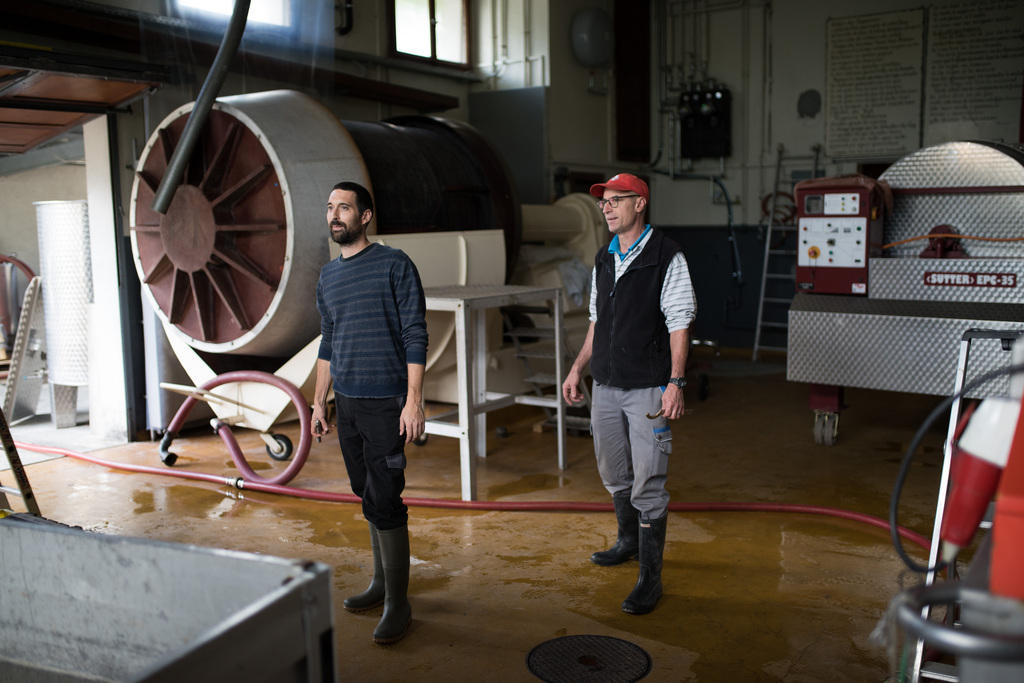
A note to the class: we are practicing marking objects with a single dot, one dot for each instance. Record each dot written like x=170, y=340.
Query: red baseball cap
x=626, y=182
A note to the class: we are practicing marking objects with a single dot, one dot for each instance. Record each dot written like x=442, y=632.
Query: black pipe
x=345, y=28
x=207, y=94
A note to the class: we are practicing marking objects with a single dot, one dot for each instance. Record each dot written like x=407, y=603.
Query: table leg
x=559, y=377
x=479, y=386
x=467, y=425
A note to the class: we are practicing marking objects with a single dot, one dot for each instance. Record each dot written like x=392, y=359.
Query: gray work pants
x=632, y=450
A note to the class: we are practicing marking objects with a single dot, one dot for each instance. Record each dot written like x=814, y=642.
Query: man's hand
x=672, y=402
x=412, y=422
x=318, y=422
x=571, y=387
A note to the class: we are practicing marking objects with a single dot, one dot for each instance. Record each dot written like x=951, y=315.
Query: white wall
x=18, y=236
x=726, y=43
x=581, y=112
x=511, y=42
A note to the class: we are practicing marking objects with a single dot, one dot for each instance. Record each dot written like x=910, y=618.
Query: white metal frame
x=469, y=304
x=919, y=671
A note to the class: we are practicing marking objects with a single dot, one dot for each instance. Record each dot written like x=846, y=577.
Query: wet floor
x=749, y=596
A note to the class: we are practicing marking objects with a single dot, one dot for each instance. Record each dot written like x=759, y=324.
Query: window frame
x=259, y=32
x=433, y=59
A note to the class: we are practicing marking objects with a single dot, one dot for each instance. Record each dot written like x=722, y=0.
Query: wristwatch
x=678, y=381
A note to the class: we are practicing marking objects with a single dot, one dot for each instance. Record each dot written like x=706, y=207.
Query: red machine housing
x=1006, y=576
x=839, y=224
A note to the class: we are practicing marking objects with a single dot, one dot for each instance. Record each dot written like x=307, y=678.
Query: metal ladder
x=24, y=489
x=768, y=275
x=538, y=380
x=27, y=371
x=937, y=671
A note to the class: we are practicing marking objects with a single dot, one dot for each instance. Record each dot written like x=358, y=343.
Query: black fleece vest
x=631, y=342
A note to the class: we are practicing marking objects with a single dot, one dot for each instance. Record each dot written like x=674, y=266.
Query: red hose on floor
x=505, y=506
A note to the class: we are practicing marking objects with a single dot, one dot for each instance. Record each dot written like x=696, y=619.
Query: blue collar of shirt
x=613, y=248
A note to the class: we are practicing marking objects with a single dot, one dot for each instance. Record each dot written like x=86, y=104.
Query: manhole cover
x=588, y=659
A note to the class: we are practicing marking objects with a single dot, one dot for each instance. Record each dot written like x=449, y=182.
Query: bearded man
x=373, y=350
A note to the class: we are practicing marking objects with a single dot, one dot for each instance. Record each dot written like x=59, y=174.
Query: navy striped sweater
x=372, y=318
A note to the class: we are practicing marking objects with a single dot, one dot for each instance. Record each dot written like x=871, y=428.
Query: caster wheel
x=422, y=441
x=826, y=428
x=283, y=450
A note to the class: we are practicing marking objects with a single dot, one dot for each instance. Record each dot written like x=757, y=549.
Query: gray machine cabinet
x=81, y=606
x=909, y=346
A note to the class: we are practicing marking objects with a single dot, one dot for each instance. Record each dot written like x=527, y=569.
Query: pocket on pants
x=663, y=439
x=395, y=461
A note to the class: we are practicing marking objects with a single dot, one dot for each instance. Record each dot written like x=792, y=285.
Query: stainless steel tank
x=66, y=269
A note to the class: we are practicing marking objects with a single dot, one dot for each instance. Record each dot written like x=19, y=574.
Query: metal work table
x=469, y=304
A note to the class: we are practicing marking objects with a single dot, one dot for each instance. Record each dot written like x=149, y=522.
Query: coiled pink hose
x=224, y=430
x=505, y=506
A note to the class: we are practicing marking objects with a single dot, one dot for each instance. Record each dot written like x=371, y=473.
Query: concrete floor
x=748, y=596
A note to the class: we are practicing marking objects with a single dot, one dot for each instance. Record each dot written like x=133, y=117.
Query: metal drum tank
x=66, y=271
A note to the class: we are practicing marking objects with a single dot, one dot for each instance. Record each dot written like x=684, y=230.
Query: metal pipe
x=958, y=641
x=207, y=94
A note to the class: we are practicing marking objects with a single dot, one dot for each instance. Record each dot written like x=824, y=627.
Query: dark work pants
x=374, y=455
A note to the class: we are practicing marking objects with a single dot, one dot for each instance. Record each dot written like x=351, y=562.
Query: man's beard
x=346, y=235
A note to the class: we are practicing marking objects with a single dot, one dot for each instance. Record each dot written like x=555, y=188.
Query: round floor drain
x=588, y=659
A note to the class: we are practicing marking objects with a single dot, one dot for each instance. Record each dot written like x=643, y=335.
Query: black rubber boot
x=373, y=596
x=394, y=551
x=647, y=591
x=626, y=545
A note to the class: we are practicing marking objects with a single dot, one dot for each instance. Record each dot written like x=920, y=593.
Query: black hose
x=207, y=94
x=901, y=477
x=345, y=27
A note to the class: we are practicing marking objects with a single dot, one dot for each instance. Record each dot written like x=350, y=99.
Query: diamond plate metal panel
x=63, y=405
x=890, y=352
x=957, y=164
x=65, y=266
x=904, y=279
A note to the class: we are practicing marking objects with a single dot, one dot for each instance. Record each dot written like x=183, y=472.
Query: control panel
x=839, y=226
x=832, y=242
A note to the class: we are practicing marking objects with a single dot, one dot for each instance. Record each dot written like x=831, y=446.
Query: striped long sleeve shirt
x=372, y=321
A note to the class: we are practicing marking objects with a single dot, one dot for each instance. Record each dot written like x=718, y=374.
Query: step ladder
x=529, y=354
x=937, y=671
x=771, y=305
x=23, y=488
x=27, y=372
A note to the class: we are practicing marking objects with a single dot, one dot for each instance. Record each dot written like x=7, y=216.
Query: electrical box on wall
x=705, y=122
x=839, y=223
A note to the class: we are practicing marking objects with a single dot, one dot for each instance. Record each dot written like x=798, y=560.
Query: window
x=431, y=30
x=270, y=12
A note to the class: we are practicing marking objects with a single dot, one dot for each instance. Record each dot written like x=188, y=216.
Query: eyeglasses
x=614, y=201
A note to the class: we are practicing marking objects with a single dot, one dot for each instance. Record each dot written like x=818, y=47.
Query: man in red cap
x=641, y=307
